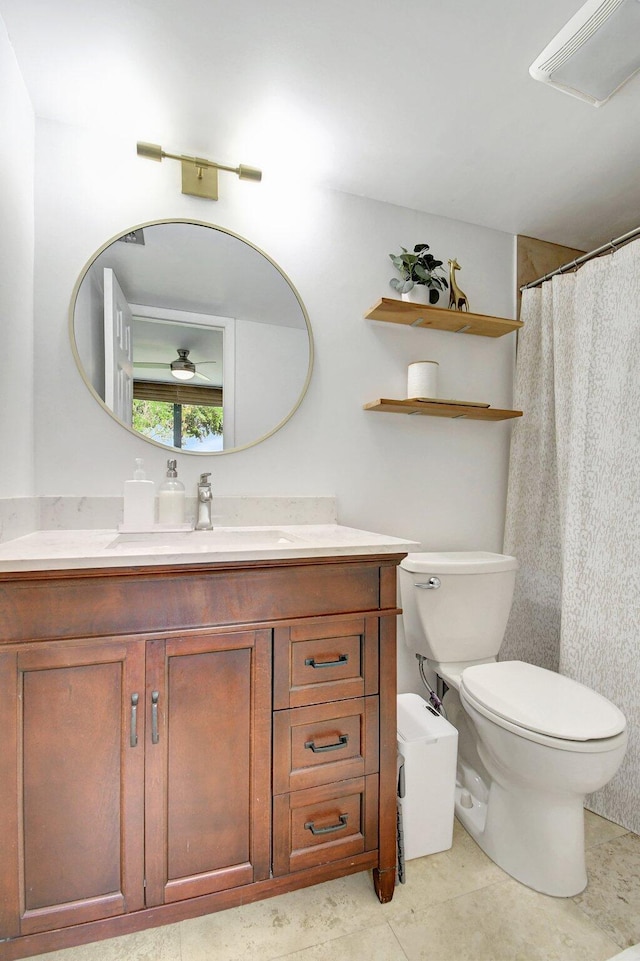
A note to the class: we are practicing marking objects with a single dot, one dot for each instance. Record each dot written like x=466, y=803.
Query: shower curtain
x=573, y=504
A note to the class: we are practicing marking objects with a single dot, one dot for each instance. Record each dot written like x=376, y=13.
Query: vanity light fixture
x=199, y=176
x=183, y=368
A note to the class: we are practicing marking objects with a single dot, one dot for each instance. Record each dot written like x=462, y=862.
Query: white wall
x=16, y=276
x=441, y=482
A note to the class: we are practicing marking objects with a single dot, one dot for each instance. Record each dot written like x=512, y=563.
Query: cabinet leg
x=384, y=882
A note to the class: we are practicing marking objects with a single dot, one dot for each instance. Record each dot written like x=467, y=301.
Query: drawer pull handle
x=342, y=741
x=310, y=826
x=311, y=661
x=155, y=736
x=323, y=748
x=133, y=737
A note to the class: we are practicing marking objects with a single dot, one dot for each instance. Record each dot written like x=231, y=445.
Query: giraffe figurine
x=457, y=298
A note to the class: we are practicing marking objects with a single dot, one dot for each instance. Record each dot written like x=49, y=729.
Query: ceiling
x=414, y=102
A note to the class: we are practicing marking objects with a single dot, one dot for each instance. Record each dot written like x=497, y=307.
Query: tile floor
x=455, y=906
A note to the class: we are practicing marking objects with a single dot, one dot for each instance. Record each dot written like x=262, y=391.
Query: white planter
x=419, y=294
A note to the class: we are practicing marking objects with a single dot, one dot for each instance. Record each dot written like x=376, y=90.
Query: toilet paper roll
x=422, y=379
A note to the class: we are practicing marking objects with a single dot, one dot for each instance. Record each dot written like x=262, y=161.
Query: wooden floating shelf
x=456, y=321
x=469, y=412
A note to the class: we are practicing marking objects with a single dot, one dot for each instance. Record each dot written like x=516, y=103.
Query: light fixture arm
x=199, y=176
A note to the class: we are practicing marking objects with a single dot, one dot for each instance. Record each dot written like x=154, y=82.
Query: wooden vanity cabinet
x=237, y=741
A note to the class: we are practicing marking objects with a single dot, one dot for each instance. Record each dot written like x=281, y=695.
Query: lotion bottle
x=171, y=498
x=139, y=500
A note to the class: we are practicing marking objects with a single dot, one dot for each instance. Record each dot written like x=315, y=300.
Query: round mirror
x=191, y=337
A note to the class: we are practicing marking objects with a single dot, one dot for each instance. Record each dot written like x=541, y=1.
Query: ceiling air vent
x=595, y=53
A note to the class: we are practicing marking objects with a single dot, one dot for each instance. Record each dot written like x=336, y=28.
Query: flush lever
x=431, y=585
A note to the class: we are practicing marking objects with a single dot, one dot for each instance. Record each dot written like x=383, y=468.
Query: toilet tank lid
x=542, y=701
x=458, y=562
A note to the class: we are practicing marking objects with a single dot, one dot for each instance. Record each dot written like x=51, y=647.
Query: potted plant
x=421, y=278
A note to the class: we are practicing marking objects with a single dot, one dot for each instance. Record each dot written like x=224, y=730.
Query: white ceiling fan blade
x=150, y=365
x=202, y=377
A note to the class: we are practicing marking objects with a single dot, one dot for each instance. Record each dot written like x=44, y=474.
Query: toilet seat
x=541, y=705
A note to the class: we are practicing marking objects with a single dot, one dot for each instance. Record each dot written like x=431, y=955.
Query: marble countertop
x=75, y=549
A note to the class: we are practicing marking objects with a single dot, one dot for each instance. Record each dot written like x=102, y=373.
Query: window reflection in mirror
x=191, y=337
x=183, y=412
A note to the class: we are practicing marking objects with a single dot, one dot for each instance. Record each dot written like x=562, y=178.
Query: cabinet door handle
x=155, y=736
x=341, y=742
x=342, y=818
x=133, y=737
x=311, y=661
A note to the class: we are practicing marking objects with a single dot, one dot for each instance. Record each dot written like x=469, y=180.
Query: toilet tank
x=465, y=617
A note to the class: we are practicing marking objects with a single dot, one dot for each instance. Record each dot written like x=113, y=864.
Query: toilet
x=531, y=743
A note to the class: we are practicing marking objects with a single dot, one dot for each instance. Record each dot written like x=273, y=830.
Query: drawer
x=325, y=661
x=324, y=824
x=323, y=743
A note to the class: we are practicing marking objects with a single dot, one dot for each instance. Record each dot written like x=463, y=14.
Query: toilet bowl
x=538, y=779
x=532, y=743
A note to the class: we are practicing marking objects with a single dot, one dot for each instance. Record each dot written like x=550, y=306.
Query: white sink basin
x=219, y=539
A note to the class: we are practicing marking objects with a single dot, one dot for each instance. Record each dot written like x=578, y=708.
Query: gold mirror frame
x=100, y=400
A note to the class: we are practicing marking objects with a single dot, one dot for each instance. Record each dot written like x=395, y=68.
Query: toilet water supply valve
x=434, y=700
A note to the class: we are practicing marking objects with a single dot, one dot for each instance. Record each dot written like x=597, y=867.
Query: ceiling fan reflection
x=181, y=368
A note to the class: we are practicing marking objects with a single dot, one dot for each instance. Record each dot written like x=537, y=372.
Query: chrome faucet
x=205, y=500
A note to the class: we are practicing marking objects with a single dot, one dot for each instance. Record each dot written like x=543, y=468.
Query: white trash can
x=427, y=778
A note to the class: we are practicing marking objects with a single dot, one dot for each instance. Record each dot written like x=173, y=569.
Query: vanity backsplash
x=23, y=515
x=18, y=516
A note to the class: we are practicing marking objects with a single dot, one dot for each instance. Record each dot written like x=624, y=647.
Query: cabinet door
x=208, y=763
x=71, y=813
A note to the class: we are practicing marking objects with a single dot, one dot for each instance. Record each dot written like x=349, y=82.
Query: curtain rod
x=612, y=245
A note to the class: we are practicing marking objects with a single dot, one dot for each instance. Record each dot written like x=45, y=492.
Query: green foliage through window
x=156, y=419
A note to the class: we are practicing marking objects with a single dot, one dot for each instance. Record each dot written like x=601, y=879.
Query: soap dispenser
x=171, y=498
x=139, y=500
